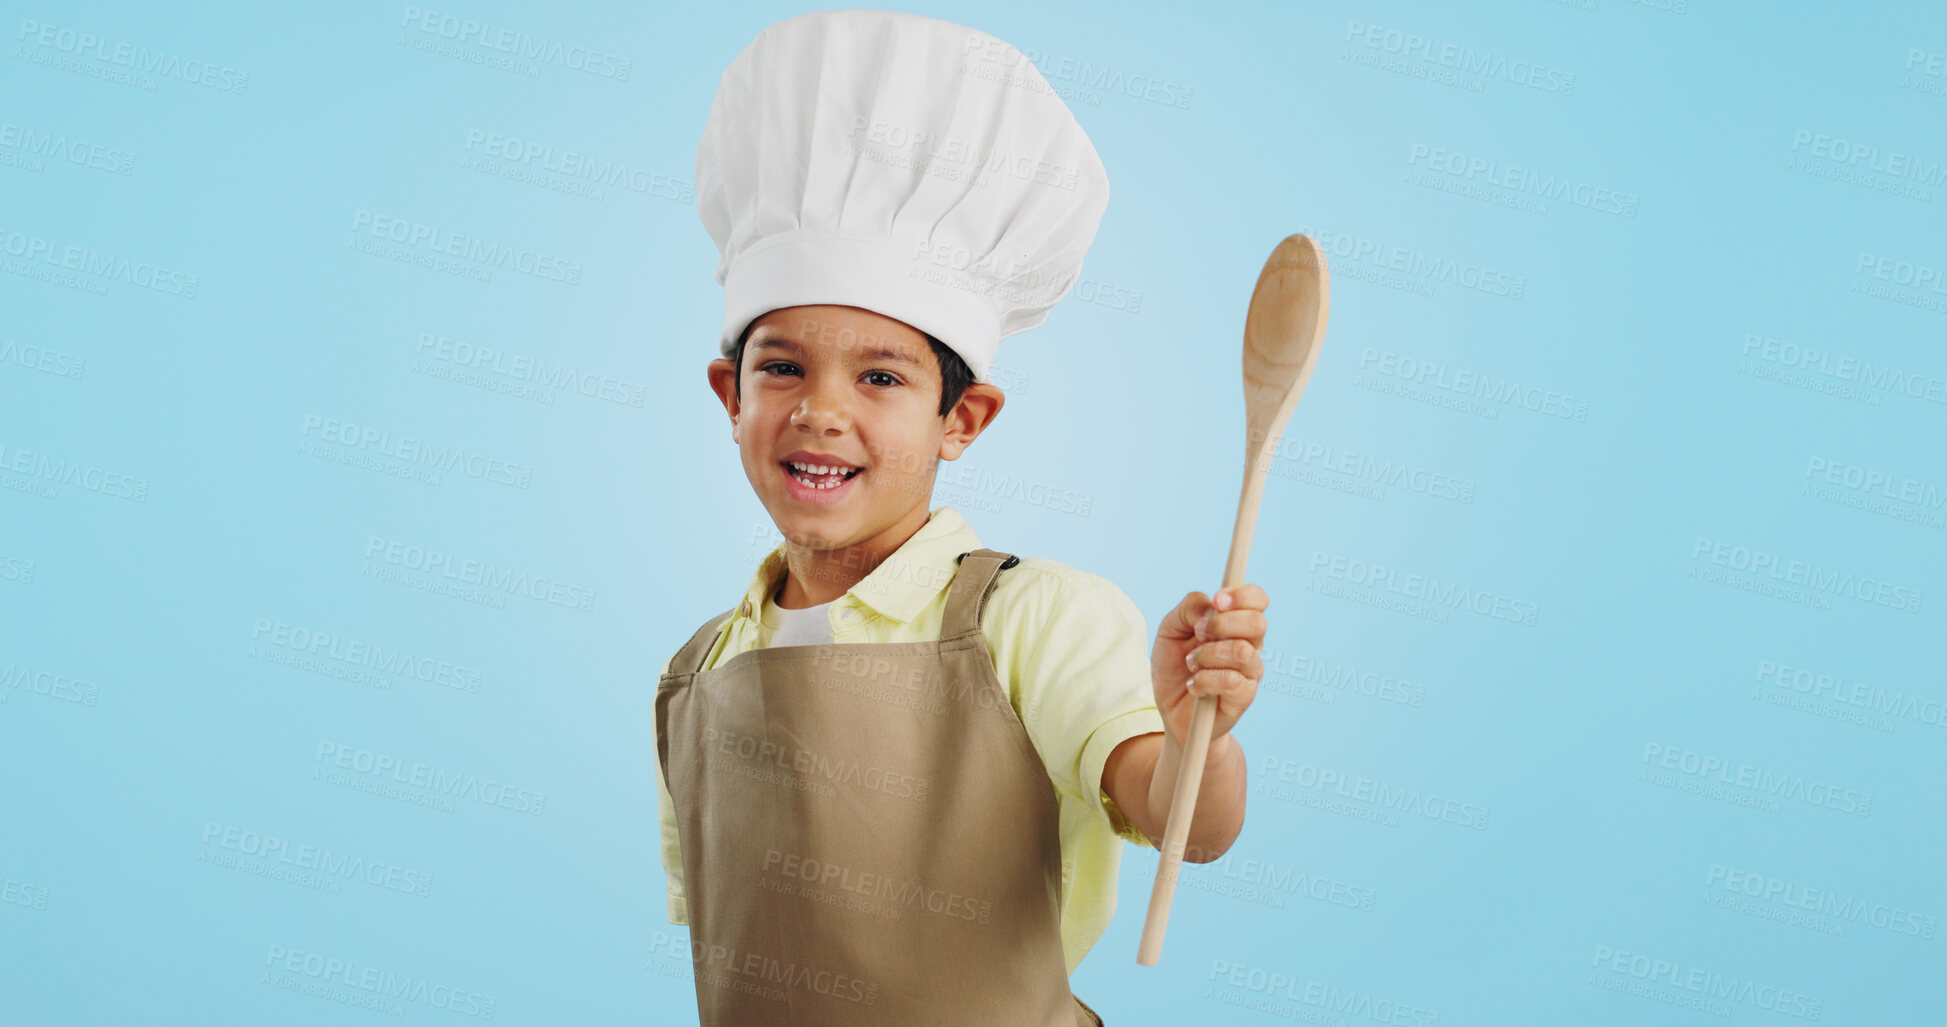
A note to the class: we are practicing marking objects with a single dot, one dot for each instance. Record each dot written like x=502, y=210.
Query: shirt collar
x=902, y=585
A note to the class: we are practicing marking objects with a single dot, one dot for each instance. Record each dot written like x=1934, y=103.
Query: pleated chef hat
x=919, y=169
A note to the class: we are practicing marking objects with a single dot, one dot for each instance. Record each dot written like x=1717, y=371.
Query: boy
x=896, y=775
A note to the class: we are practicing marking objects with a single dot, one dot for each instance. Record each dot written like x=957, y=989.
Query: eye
x=773, y=365
x=888, y=376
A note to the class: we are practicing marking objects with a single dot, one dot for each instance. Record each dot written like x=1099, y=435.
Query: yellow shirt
x=1070, y=648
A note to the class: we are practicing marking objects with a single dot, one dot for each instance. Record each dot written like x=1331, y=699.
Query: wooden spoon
x=1282, y=333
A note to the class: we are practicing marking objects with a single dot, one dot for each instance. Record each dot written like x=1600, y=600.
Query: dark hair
x=955, y=375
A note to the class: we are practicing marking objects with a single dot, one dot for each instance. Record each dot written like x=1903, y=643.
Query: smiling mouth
x=816, y=476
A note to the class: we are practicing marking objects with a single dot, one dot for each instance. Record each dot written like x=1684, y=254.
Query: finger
x=1226, y=654
x=1228, y=686
x=1217, y=624
x=1241, y=597
x=1234, y=688
x=1234, y=695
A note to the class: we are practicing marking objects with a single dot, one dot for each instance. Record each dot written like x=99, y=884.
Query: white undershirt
x=809, y=626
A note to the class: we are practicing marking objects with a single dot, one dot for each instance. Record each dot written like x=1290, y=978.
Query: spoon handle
x=1189, y=773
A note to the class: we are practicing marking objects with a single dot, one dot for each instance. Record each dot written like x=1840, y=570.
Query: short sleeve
x=671, y=841
x=1073, y=651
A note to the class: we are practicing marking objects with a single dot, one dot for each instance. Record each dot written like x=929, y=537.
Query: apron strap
x=689, y=659
x=967, y=596
x=972, y=583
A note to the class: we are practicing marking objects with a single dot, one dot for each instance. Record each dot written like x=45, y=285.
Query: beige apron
x=868, y=835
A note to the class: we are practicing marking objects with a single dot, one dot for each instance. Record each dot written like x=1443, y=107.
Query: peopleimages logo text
x=1762, y=780
x=1424, y=588
x=475, y=572
x=437, y=779
x=1811, y=576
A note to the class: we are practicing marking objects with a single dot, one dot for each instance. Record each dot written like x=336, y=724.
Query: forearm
x=1219, y=813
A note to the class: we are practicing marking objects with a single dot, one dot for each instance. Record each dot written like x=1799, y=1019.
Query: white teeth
x=819, y=469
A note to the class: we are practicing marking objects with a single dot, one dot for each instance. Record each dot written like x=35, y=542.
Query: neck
x=815, y=576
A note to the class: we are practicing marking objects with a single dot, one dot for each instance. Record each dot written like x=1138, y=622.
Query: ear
x=723, y=382
x=978, y=407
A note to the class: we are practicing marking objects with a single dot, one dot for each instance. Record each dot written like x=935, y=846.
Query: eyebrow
x=875, y=353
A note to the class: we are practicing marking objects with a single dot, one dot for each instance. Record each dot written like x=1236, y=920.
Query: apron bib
x=868, y=834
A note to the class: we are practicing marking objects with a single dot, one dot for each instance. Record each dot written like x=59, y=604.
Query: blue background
x=1715, y=350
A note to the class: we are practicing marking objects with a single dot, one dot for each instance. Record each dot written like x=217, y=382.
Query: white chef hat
x=919, y=169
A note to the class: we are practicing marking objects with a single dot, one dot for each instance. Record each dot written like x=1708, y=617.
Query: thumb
x=1181, y=623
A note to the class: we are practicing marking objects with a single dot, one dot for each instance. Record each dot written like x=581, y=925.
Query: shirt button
x=847, y=612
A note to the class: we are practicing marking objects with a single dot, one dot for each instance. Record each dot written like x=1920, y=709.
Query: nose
x=824, y=410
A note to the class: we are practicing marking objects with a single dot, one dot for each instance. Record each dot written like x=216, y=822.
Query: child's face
x=844, y=387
